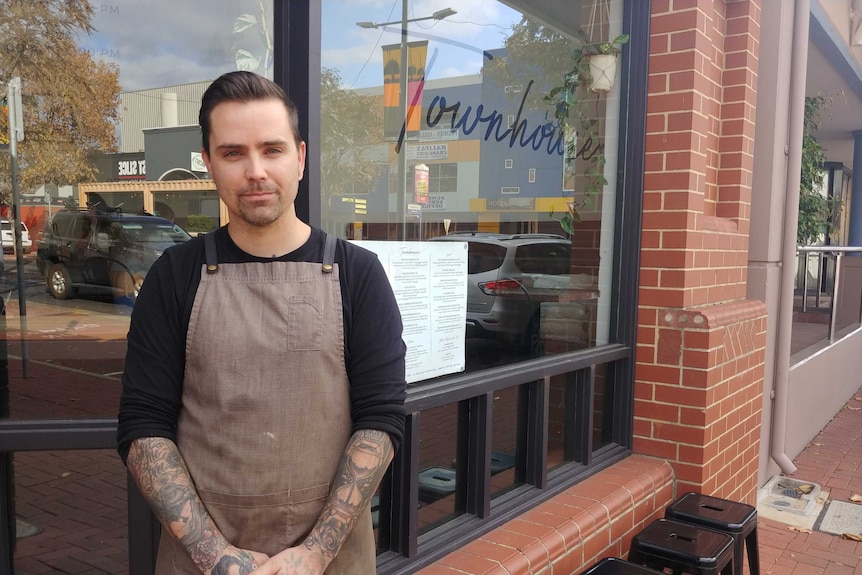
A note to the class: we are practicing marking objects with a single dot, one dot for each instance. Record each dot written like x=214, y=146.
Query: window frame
x=406, y=550
x=297, y=32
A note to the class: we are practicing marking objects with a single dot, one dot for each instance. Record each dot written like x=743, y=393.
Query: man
x=264, y=384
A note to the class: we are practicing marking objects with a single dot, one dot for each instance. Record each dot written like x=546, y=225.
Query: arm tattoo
x=365, y=461
x=245, y=565
x=158, y=469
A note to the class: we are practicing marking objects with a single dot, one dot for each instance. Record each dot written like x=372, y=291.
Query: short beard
x=260, y=216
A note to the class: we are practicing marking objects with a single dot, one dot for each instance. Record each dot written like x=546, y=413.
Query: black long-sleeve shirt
x=155, y=359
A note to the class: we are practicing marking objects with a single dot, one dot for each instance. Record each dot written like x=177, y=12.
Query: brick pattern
x=698, y=397
x=699, y=151
x=594, y=519
x=78, y=501
x=700, y=344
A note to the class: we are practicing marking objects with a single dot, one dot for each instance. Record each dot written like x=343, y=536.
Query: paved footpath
x=834, y=461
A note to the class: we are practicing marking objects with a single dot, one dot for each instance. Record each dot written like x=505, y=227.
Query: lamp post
x=401, y=196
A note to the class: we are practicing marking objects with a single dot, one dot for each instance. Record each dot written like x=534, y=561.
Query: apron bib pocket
x=304, y=324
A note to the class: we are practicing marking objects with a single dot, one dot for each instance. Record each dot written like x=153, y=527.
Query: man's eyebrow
x=264, y=144
x=231, y=147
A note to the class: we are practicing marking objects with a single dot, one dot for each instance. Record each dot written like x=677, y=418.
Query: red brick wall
x=700, y=345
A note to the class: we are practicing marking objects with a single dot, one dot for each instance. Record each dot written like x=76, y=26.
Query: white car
x=8, y=238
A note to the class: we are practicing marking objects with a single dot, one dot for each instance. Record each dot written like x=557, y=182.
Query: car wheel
x=59, y=282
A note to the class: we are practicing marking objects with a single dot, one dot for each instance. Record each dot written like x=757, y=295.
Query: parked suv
x=107, y=250
x=509, y=277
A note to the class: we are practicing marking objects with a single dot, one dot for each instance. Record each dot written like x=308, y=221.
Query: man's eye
x=273, y=151
x=231, y=154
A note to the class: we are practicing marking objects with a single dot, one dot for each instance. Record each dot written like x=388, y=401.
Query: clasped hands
x=299, y=560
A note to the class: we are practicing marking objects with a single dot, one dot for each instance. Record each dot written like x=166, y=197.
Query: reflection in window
x=438, y=458
x=494, y=145
x=507, y=439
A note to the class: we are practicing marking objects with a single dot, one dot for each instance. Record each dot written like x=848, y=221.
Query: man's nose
x=254, y=169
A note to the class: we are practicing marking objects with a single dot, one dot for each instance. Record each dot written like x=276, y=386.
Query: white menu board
x=429, y=280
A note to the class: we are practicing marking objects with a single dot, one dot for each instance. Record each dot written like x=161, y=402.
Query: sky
x=166, y=42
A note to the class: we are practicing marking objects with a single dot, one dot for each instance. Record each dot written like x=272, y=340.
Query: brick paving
x=78, y=498
x=834, y=461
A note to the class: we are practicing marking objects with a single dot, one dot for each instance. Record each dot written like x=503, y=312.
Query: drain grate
x=791, y=495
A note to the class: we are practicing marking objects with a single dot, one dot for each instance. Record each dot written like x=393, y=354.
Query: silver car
x=506, y=272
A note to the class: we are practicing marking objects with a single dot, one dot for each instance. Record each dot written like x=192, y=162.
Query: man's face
x=254, y=160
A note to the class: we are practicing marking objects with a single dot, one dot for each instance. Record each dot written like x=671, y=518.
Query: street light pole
x=401, y=198
x=401, y=195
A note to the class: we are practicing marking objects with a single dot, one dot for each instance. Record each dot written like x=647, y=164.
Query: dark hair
x=243, y=86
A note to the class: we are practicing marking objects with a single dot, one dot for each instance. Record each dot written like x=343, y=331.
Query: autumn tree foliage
x=70, y=99
x=351, y=129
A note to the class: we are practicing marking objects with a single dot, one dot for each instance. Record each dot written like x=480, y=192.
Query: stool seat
x=732, y=517
x=614, y=566
x=683, y=547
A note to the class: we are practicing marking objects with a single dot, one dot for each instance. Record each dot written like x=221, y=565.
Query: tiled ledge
x=596, y=518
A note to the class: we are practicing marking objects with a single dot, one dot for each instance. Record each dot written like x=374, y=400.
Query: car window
x=543, y=258
x=483, y=257
x=154, y=232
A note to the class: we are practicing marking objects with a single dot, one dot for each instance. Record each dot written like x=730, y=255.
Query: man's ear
x=206, y=159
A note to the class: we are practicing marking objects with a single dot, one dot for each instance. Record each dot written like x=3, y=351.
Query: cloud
x=165, y=42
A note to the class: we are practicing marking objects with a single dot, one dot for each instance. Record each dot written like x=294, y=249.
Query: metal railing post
x=832, y=313
x=803, y=258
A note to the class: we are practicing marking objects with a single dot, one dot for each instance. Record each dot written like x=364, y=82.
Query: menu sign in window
x=429, y=280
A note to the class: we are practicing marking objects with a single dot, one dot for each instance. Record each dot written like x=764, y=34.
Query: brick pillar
x=700, y=344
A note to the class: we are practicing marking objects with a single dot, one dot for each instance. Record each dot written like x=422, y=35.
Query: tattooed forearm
x=160, y=473
x=365, y=461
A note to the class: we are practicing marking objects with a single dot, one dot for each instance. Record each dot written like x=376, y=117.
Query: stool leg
x=753, y=552
x=738, y=554
x=729, y=569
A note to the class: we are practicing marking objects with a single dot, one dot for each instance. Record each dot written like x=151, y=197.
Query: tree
x=816, y=210
x=70, y=100
x=351, y=131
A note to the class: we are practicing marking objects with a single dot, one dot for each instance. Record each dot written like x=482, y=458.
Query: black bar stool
x=614, y=566
x=683, y=547
x=736, y=519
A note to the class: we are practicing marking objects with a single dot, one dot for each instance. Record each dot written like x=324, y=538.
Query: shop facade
x=650, y=385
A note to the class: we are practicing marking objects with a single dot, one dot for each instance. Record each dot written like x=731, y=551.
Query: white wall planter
x=603, y=70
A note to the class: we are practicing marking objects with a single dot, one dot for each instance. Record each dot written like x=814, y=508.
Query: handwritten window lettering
x=547, y=135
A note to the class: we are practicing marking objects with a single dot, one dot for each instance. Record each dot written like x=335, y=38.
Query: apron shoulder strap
x=210, y=253
x=328, y=253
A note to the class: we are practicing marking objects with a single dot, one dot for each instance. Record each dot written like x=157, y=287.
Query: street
x=86, y=333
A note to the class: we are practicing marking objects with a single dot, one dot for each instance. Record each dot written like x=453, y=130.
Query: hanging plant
x=574, y=104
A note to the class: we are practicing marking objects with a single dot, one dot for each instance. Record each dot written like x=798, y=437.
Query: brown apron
x=266, y=407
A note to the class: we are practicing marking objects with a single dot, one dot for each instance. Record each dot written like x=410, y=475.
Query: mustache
x=258, y=188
